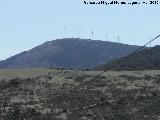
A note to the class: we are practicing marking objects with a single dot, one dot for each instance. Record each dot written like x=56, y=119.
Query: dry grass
x=24, y=73
x=56, y=94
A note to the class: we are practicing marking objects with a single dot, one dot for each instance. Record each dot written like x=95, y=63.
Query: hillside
x=69, y=53
x=146, y=59
x=52, y=94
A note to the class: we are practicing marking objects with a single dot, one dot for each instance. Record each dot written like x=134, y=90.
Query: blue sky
x=27, y=23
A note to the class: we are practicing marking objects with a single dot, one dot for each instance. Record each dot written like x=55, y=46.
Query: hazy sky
x=27, y=23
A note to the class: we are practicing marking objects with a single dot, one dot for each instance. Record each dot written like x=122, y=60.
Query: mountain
x=146, y=59
x=69, y=53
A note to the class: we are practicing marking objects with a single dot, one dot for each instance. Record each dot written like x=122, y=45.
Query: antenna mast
x=106, y=37
x=77, y=32
x=92, y=34
x=118, y=38
x=64, y=30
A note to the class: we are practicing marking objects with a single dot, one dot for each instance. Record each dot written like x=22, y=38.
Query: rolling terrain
x=69, y=53
x=56, y=94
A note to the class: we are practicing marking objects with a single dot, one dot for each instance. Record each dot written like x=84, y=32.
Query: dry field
x=55, y=94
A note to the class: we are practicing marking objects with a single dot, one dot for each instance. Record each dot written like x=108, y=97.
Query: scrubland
x=56, y=94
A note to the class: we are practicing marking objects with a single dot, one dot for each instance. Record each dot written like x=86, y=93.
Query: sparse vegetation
x=79, y=95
